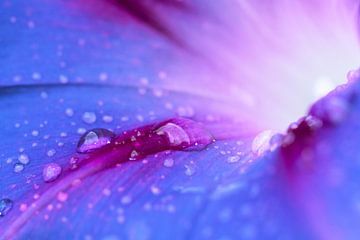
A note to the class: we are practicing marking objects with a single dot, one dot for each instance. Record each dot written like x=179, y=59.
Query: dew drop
x=175, y=134
x=189, y=170
x=107, y=118
x=233, y=159
x=133, y=155
x=35, y=133
x=51, y=152
x=89, y=117
x=81, y=130
x=18, y=167
x=126, y=199
x=69, y=112
x=74, y=162
x=168, y=162
x=94, y=139
x=155, y=190
x=62, y=196
x=24, y=159
x=5, y=206
x=51, y=172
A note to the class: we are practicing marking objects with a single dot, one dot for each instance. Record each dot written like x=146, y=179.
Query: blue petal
x=144, y=192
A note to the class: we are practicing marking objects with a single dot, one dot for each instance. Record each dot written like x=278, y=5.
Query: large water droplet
x=186, y=134
x=175, y=134
x=94, y=139
x=5, y=206
x=51, y=172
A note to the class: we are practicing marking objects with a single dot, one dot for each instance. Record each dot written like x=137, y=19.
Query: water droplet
x=175, y=134
x=94, y=139
x=35, y=133
x=168, y=162
x=261, y=142
x=51, y=172
x=62, y=196
x=133, y=155
x=74, y=162
x=106, y=191
x=24, y=159
x=89, y=117
x=63, y=79
x=18, y=167
x=107, y=118
x=51, y=152
x=233, y=159
x=69, y=112
x=81, y=130
x=189, y=170
x=155, y=190
x=126, y=199
x=5, y=206
x=43, y=95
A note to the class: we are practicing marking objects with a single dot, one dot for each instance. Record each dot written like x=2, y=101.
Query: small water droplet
x=5, y=206
x=133, y=155
x=126, y=199
x=155, y=190
x=168, y=162
x=69, y=112
x=81, y=130
x=51, y=152
x=18, y=167
x=106, y=191
x=24, y=159
x=189, y=170
x=107, y=118
x=233, y=159
x=62, y=196
x=51, y=172
x=43, y=95
x=74, y=162
x=94, y=139
x=35, y=133
x=89, y=117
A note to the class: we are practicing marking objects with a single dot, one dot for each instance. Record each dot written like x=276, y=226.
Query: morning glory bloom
x=168, y=119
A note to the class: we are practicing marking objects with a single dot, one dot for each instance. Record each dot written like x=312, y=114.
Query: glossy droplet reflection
x=175, y=134
x=5, y=206
x=94, y=139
